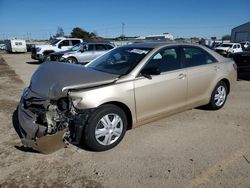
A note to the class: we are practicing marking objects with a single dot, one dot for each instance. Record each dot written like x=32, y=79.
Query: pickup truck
x=42, y=52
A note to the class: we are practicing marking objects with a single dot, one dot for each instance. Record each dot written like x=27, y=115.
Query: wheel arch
x=47, y=52
x=126, y=110
x=226, y=81
x=72, y=57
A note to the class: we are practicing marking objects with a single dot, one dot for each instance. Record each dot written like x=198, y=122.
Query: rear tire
x=219, y=96
x=106, y=128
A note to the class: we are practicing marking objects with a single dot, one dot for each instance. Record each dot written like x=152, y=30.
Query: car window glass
x=64, y=43
x=234, y=46
x=166, y=60
x=74, y=42
x=90, y=47
x=195, y=56
x=100, y=47
x=109, y=47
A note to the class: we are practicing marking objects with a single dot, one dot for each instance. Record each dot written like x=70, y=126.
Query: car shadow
x=26, y=149
x=33, y=62
x=244, y=76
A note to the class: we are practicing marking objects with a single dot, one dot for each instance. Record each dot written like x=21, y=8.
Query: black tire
x=89, y=135
x=72, y=60
x=214, y=103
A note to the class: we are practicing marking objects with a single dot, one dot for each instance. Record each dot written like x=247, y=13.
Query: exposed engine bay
x=53, y=116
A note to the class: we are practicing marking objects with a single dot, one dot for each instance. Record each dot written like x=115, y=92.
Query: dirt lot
x=195, y=148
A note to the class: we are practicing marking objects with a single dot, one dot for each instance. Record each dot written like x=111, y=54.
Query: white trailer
x=15, y=45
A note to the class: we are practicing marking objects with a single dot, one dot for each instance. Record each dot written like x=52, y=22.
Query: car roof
x=159, y=44
x=148, y=44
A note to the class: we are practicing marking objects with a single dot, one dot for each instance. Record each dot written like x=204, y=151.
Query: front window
x=54, y=41
x=119, y=61
x=76, y=47
x=165, y=60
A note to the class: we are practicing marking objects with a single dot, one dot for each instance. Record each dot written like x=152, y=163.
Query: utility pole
x=123, y=25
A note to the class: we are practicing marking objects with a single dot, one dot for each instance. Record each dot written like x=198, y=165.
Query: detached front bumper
x=29, y=129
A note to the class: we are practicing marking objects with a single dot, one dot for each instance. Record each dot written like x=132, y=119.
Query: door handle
x=182, y=76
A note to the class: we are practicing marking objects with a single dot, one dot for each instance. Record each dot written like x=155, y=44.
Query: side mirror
x=148, y=72
x=84, y=49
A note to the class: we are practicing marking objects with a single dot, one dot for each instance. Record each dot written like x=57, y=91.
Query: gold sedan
x=126, y=87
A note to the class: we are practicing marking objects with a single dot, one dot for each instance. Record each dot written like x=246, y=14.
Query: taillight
x=235, y=66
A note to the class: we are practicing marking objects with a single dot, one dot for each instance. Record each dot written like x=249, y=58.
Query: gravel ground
x=195, y=148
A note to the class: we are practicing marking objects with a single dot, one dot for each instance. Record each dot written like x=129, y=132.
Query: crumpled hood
x=52, y=80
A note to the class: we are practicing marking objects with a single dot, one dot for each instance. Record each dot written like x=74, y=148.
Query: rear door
x=201, y=73
x=100, y=50
x=88, y=53
x=165, y=92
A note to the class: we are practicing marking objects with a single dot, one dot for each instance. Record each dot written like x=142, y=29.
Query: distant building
x=241, y=33
x=164, y=36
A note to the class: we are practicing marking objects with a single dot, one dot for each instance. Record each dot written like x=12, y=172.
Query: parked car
x=2, y=47
x=87, y=53
x=41, y=52
x=82, y=53
x=124, y=88
x=244, y=44
x=57, y=56
x=242, y=59
x=226, y=49
x=15, y=45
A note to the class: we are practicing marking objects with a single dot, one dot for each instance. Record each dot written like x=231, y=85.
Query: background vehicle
x=57, y=56
x=41, y=52
x=15, y=45
x=124, y=88
x=87, y=52
x=244, y=44
x=242, y=59
x=228, y=48
x=2, y=47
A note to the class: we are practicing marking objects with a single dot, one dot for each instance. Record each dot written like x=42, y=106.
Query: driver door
x=64, y=45
x=165, y=92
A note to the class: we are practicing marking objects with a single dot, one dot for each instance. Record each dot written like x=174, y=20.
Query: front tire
x=106, y=128
x=72, y=60
x=219, y=96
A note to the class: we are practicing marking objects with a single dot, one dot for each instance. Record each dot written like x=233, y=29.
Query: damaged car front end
x=40, y=117
x=46, y=106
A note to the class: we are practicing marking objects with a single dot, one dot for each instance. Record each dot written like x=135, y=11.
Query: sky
x=39, y=19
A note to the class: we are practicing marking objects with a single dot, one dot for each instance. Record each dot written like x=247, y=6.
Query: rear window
x=74, y=42
x=195, y=56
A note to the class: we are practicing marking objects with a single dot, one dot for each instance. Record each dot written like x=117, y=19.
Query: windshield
x=54, y=41
x=119, y=61
x=226, y=45
x=76, y=47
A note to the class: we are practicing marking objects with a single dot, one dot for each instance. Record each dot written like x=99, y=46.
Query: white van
x=15, y=45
